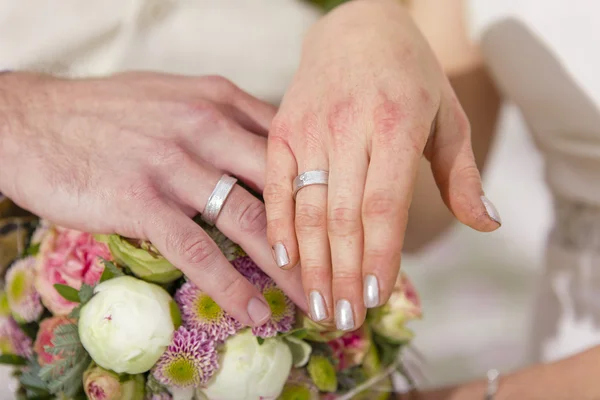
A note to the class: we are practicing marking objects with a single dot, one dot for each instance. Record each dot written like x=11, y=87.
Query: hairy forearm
x=572, y=378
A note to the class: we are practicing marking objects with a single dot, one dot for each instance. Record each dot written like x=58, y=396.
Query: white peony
x=250, y=371
x=127, y=324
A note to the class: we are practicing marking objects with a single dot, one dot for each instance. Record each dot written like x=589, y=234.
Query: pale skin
x=442, y=22
x=368, y=120
x=138, y=154
x=572, y=378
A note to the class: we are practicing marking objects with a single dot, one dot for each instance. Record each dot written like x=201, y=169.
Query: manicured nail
x=258, y=311
x=344, y=320
x=281, y=255
x=491, y=210
x=318, y=311
x=371, y=291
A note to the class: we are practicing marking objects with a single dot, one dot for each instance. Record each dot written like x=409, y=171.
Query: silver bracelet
x=493, y=377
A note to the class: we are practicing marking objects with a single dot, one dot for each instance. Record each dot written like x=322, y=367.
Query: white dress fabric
x=545, y=57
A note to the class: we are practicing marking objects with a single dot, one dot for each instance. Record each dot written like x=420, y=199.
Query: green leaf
x=75, y=312
x=110, y=271
x=260, y=340
x=32, y=250
x=298, y=332
x=31, y=380
x=64, y=375
x=12, y=359
x=30, y=329
x=67, y=292
x=85, y=293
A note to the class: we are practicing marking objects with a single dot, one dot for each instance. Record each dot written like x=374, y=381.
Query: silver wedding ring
x=308, y=178
x=217, y=199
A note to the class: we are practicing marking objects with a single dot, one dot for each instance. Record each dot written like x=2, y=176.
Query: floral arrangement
x=106, y=317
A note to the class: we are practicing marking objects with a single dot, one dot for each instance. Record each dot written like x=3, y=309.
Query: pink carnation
x=45, y=336
x=68, y=257
x=350, y=349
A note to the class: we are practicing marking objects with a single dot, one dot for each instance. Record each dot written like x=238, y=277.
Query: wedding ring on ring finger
x=308, y=178
x=217, y=199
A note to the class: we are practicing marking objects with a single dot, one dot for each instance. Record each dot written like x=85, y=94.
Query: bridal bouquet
x=107, y=317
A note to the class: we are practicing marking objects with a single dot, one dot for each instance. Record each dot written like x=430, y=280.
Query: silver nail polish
x=371, y=291
x=318, y=311
x=281, y=255
x=491, y=210
x=344, y=319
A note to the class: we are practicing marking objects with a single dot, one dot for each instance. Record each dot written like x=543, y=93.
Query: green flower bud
x=101, y=384
x=143, y=259
x=314, y=331
x=322, y=372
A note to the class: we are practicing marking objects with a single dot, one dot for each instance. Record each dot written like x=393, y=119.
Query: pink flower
x=70, y=258
x=44, y=338
x=350, y=349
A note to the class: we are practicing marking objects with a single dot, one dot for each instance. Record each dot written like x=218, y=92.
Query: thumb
x=454, y=170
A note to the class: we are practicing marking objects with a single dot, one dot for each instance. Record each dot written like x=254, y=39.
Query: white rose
x=250, y=371
x=127, y=324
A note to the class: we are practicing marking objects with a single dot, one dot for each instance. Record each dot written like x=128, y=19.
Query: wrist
x=352, y=21
x=8, y=126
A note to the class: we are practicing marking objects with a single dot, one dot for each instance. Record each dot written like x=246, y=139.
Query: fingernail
x=371, y=291
x=258, y=311
x=344, y=320
x=491, y=210
x=281, y=255
x=318, y=311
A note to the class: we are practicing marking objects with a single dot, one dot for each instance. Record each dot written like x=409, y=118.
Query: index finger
x=190, y=249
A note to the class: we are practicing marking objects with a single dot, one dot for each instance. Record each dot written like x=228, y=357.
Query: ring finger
x=313, y=241
x=242, y=219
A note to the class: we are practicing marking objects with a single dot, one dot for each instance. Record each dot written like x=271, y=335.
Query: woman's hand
x=139, y=154
x=368, y=101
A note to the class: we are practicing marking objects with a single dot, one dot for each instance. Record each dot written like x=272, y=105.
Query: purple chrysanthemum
x=160, y=396
x=283, y=310
x=248, y=268
x=13, y=340
x=199, y=311
x=23, y=300
x=190, y=360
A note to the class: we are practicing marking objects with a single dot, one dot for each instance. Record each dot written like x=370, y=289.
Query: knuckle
x=314, y=273
x=463, y=125
x=380, y=205
x=231, y=288
x=469, y=173
x=203, y=112
x=166, y=153
x=343, y=221
x=309, y=216
x=341, y=118
x=141, y=194
x=346, y=275
x=196, y=251
x=253, y=218
x=219, y=81
x=387, y=118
